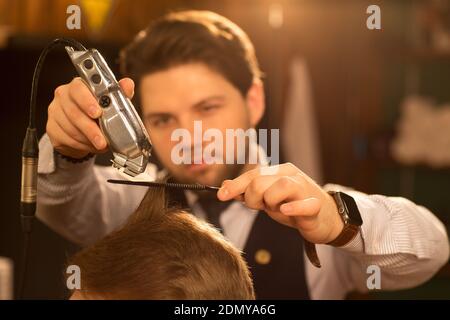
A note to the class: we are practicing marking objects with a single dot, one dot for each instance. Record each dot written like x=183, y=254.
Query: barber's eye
x=208, y=108
x=161, y=121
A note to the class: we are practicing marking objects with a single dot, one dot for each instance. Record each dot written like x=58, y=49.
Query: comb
x=184, y=186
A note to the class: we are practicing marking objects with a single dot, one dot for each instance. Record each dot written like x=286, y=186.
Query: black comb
x=184, y=186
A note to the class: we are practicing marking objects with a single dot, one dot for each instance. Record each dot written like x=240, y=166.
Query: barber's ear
x=256, y=102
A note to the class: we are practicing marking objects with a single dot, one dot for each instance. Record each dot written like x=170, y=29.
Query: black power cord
x=30, y=156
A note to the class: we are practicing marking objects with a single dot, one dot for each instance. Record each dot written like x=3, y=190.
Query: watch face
x=352, y=210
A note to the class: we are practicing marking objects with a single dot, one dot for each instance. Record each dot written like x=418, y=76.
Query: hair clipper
x=120, y=123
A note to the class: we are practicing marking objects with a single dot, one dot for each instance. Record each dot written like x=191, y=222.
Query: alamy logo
x=208, y=147
x=73, y=281
x=73, y=21
x=374, y=20
x=374, y=280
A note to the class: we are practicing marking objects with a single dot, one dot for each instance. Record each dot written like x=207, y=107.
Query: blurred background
x=363, y=108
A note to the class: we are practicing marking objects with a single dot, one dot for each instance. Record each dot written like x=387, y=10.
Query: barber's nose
x=192, y=127
x=186, y=124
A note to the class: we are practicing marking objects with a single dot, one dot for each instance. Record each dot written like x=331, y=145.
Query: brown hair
x=163, y=253
x=193, y=36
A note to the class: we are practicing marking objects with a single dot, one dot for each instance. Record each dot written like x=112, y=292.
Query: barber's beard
x=230, y=172
x=220, y=172
x=223, y=172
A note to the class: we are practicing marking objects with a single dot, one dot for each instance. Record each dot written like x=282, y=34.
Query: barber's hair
x=163, y=253
x=193, y=37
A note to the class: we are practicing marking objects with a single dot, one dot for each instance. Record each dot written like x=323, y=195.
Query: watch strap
x=348, y=234
x=311, y=253
x=350, y=231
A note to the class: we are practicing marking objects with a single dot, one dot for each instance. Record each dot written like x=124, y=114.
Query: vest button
x=262, y=256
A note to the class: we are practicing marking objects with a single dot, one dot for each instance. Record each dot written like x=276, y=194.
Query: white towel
x=423, y=133
x=299, y=134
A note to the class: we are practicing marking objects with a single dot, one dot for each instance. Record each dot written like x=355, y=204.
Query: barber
x=198, y=66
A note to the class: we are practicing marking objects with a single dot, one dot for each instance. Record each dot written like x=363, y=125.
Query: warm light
x=96, y=13
x=276, y=15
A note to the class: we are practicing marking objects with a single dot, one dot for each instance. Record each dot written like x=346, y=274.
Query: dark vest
x=274, y=254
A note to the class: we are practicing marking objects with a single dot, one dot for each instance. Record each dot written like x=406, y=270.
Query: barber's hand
x=71, y=124
x=290, y=197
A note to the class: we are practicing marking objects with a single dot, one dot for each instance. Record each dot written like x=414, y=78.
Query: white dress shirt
x=406, y=241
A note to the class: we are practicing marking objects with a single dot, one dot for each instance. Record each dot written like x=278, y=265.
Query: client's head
x=162, y=253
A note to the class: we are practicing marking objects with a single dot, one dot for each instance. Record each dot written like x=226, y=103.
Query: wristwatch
x=348, y=210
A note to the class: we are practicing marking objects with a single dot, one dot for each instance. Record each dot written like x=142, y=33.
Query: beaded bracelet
x=74, y=160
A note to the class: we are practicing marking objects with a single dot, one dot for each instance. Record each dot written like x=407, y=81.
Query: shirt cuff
x=356, y=245
x=49, y=163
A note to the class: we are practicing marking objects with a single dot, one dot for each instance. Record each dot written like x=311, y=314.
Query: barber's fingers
x=289, y=196
x=86, y=101
x=237, y=186
x=127, y=86
x=60, y=117
x=65, y=144
x=74, y=111
x=305, y=212
x=78, y=92
x=271, y=192
x=86, y=125
x=287, y=201
x=307, y=208
x=254, y=194
x=283, y=189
